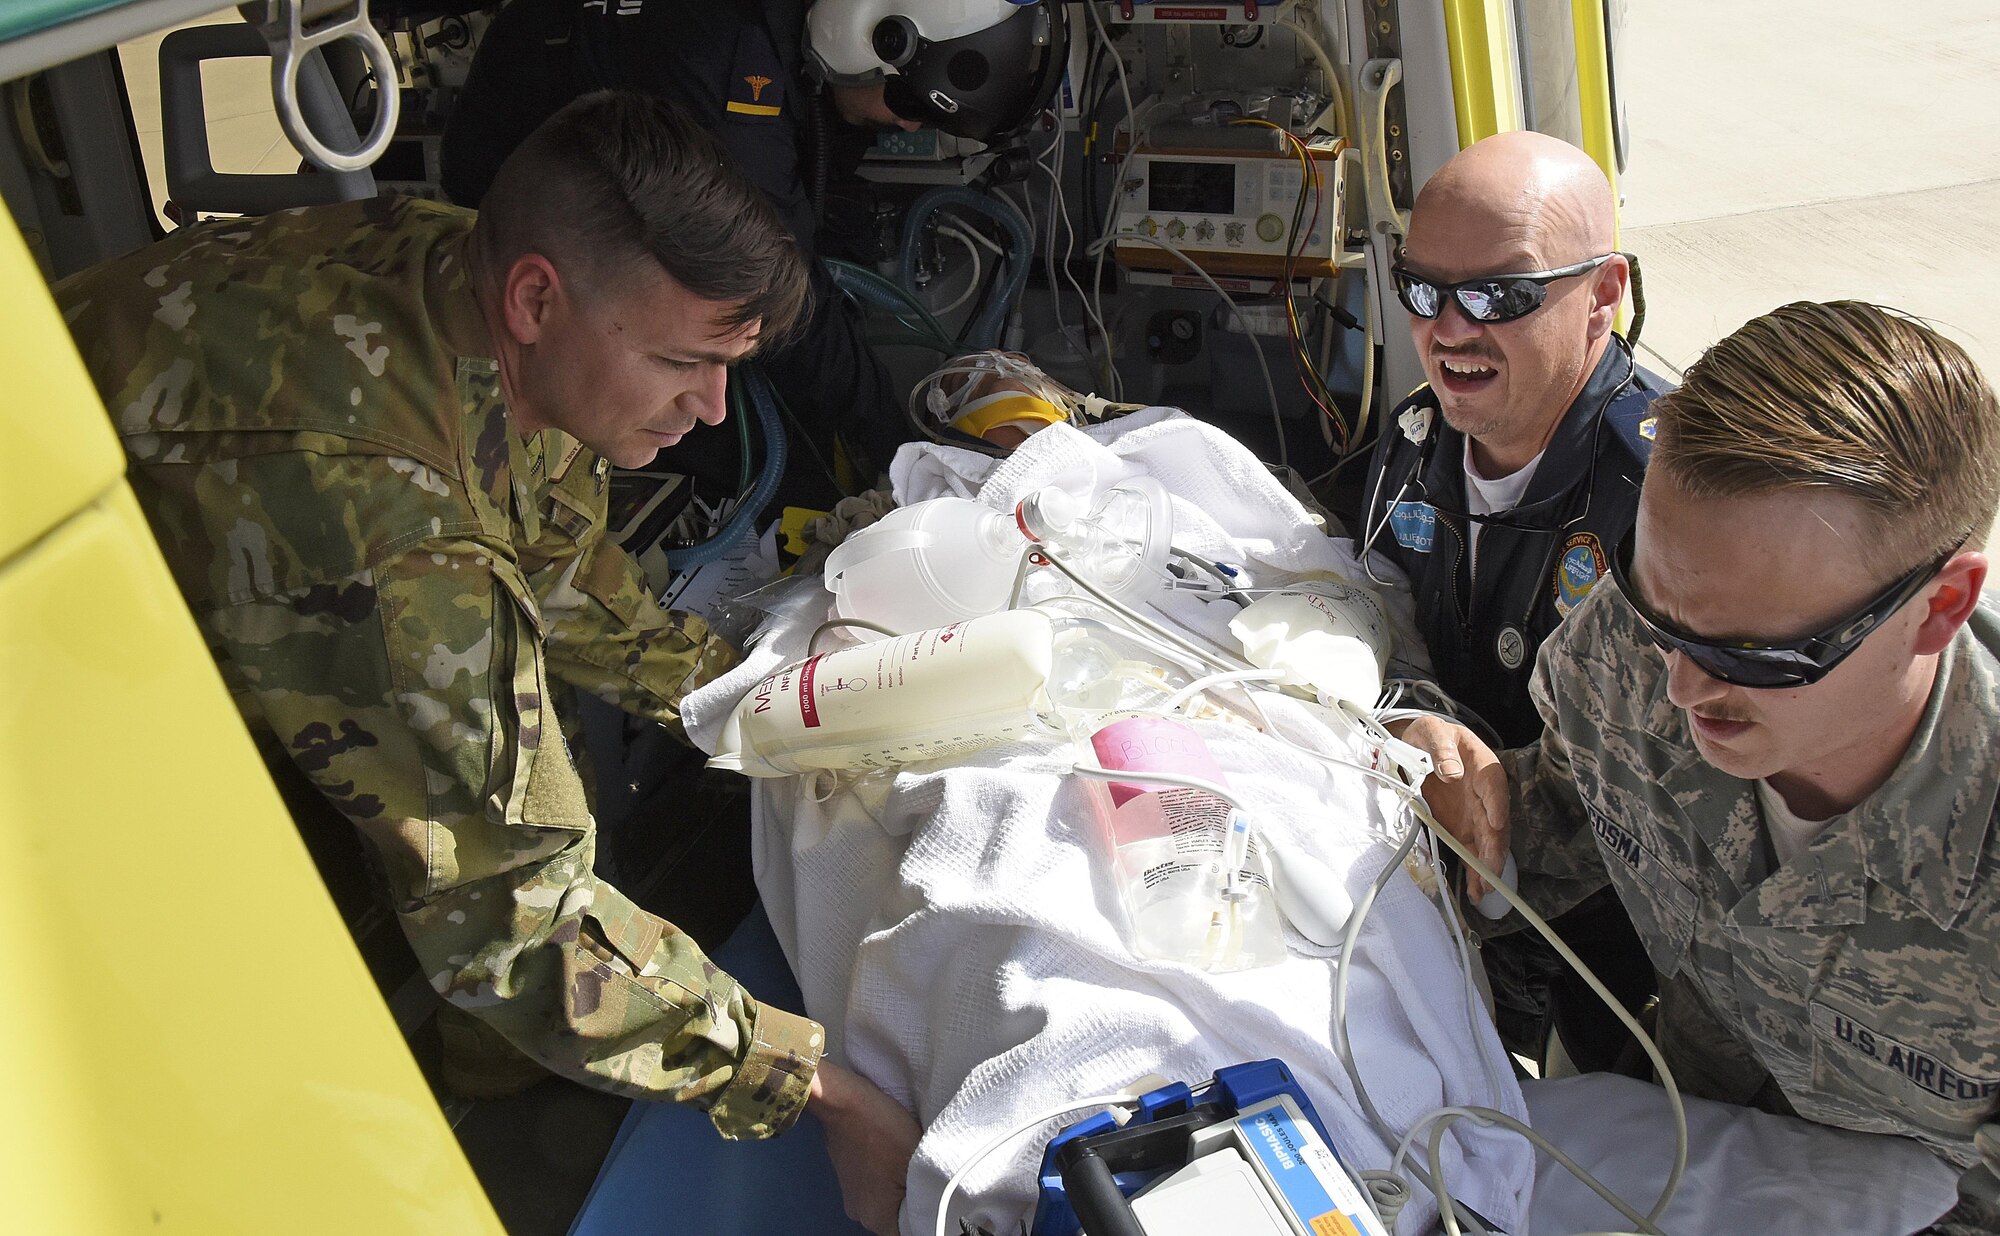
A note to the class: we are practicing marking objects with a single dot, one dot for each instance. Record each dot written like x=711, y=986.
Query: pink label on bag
x=1152, y=744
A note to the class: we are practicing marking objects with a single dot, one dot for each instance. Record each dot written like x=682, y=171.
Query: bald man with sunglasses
x=1774, y=736
x=1498, y=490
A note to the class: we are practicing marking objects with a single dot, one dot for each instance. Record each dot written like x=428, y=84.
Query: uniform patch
x=1582, y=564
x=1414, y=525
x=1648, y=872
x=1649, y=428
x=755, y=106
x=1865, y=1044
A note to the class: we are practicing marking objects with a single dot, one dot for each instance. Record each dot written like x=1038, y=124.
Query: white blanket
x=951, y=927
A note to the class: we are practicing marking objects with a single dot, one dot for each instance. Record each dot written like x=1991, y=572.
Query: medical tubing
x=1219, y=678
x=1447, y=898
x=1188, y=648
x=1590, y=979
x=885, y=294
x=1492, y=1117
x=744, y=519
x=972, y=285
x=979, y=1156
x=986, y=327
x=812, y=642
x=1344, y=1051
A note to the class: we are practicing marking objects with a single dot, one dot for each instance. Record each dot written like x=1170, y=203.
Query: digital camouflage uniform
x=392, y=581
x=1858, y=986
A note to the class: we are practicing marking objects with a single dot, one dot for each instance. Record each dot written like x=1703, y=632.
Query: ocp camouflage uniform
x=1858, y=986
x=392, y=581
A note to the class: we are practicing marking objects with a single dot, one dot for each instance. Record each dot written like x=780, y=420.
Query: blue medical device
x=1248, y=1144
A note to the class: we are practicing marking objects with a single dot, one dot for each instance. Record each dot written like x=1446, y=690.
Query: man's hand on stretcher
x=870, y=1139
x=1467, y=789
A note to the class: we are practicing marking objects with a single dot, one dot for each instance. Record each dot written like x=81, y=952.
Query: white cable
x=1112, y=603
x=1295, y=23
x=1256, y=344
x=1097, y=772
x=1054, y=169
x=972, y=252
x=1595, y=984
x=1069, y=253
x=1367, y=410
x=1115, y=381
x=1182, y=696
x=976, y=236
x=957, y=1177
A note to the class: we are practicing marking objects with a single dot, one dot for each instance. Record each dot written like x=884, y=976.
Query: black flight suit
x=735, y=66
x=1483, y=629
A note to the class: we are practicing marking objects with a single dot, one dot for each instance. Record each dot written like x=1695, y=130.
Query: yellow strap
x=987, y=413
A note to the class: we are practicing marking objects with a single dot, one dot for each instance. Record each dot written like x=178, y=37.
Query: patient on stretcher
x=953, y=921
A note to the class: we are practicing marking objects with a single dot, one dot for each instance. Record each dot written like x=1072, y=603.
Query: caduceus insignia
x=757, y=85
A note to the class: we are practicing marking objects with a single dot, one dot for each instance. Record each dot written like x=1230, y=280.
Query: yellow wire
x=1323, y=395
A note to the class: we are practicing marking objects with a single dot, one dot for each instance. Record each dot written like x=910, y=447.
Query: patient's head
x=1002, y=397
x=1513, y=204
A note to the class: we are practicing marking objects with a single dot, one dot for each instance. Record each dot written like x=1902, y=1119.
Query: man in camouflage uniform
x=1775, y=736
x=372, y=440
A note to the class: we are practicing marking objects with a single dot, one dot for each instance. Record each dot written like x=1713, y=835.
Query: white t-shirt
x=1484, y=497
x=1790, y=834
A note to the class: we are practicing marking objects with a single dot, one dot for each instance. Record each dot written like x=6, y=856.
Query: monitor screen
x=1191, y=188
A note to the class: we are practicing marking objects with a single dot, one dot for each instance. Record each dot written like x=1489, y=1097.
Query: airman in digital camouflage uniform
x=372, y=440
x=1775, y=737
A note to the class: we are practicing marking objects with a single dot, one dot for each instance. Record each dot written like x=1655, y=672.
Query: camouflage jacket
x=1863, y=979
x=391, y=580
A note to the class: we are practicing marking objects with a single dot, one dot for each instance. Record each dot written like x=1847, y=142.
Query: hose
x=985, y=330
x=744, y=519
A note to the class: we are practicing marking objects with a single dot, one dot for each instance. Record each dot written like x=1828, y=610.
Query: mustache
x=1465, y=354
x=1720, y=714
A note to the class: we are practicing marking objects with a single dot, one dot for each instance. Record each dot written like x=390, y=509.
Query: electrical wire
x=1263, y=366
x=979, y=1156
x=1316, y=387
x=1343, y=1048
x=972, y=285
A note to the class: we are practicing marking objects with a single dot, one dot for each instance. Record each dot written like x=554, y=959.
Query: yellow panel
x=1593, y=86
x=192, y=1043
x=52, y=464
x=1485, y=80
x=189, y=1041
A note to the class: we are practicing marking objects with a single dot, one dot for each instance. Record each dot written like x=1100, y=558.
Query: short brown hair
x=1845, y=396
x=616, y=179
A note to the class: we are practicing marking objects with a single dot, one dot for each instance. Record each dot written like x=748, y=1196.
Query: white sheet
x=1748, y=1172
x=949, y=927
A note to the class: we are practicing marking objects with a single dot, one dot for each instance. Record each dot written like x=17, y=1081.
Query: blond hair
x=1843, y=396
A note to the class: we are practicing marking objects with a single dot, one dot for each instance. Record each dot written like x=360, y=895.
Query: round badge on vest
x=1511, y=647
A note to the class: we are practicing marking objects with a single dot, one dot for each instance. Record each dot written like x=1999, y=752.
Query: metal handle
x=1377, y=76
x=283, y=24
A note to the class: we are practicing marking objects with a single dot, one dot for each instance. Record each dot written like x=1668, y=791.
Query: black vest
x=1483, y=628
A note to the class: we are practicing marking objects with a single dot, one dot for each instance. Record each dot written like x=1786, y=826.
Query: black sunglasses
x=1790, y=663
x=1488, y=299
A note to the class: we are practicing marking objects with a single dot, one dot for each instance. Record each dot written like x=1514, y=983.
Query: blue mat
x=668, y=1174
